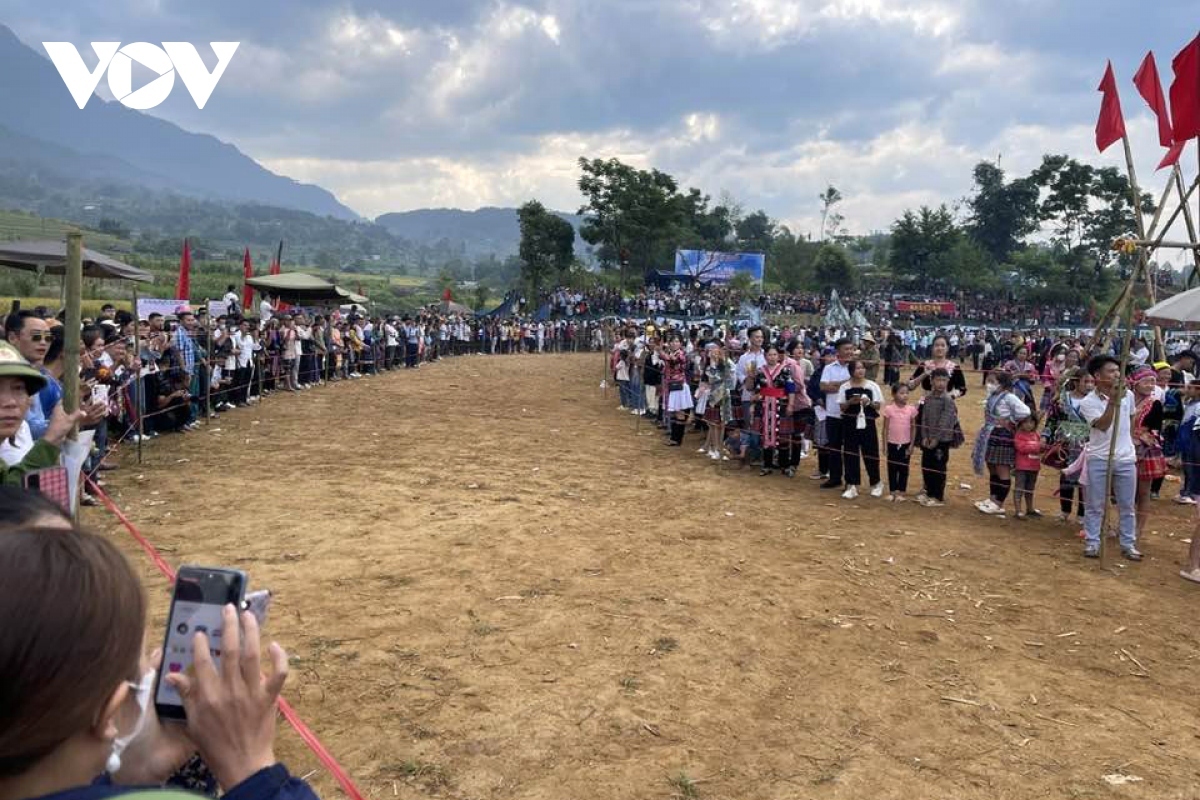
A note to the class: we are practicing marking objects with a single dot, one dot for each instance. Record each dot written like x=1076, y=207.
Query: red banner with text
x=939, y=309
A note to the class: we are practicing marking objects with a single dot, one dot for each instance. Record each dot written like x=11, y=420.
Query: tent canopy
x=301, y=288
x=51, y=256
x=451, y=307
x=1181, y=310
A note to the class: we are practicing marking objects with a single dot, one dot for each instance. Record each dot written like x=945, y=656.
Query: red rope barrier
x=306, y=735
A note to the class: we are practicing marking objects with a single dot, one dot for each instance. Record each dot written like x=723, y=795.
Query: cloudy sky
x=465, y=103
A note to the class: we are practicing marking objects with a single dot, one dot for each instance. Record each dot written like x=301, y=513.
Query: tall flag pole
x=247, y=289
x=183, y=288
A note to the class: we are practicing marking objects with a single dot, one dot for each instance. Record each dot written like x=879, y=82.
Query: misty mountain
x=473, y=234
x=118, y=142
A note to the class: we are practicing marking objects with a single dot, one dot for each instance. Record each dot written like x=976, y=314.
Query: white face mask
x=142, y=696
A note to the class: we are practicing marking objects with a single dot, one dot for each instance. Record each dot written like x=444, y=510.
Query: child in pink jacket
x=1028, y=445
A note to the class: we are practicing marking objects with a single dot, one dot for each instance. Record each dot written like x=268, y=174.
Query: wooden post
x=208, y=364
x=139, y=401
x=73, y=282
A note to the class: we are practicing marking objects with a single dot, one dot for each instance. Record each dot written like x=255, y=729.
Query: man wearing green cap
x=19, y=385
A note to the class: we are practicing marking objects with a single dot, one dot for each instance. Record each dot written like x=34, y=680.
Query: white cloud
x=773, y=23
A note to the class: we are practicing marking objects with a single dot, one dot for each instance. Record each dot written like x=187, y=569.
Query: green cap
x=14, y=365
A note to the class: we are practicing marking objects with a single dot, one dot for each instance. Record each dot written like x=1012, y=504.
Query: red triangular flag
x=1185, y=93
x=247, y=289
x=1172, y=156
x=1110, y=127
x=183, y=288
x=1150, y=88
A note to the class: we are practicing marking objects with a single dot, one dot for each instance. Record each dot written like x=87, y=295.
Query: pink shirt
x=899, y=421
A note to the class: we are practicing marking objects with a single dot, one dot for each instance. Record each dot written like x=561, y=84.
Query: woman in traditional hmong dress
x=774, y=390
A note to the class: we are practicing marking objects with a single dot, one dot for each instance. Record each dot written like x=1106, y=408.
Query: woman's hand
x=158, y=751
x=231, y=711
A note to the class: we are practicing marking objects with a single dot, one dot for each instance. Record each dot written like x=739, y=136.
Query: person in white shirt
x=833, y=376
x=265, y=311
x=1108, y=423
x=233, y=304
x=748, y=363
x=1139, y=354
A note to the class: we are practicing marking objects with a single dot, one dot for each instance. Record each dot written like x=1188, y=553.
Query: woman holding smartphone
x=79, y=720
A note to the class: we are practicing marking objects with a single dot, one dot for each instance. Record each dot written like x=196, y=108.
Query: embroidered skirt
x=1000, y=449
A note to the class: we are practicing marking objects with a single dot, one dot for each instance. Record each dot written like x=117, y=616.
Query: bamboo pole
x=1118, y=398
x=73, y=283
x=72, y=288
x=1188, y=220
x=1143, y=254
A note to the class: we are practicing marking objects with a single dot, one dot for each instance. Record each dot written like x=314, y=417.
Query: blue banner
x=709, y=266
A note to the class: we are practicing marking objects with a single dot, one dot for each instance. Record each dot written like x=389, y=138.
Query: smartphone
x=199, y=597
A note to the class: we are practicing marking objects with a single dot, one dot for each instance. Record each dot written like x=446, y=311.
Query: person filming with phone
x=79, y=720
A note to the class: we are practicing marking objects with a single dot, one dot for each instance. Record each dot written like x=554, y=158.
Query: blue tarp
x=505, y=309
x=542, y=314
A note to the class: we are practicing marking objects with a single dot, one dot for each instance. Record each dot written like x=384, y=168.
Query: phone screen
x=196, y=605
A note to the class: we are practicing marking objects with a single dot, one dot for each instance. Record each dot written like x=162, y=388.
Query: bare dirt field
x=492, y=586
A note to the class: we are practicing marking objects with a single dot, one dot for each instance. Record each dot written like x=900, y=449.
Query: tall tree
x=832, y=269
x=547, y=245
x=755, y=233
x=790, y=262
x=831, y=221
x=633, y=215
x=1001, y=214
x=921, y=245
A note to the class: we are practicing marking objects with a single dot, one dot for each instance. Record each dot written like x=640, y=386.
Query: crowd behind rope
x=773, y=398
x=163, y=375
x=723, y=301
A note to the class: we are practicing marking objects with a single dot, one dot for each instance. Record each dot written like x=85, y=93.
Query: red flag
x=183, y=289
x=1150, y=88
x=1172, y=156
x=247, y=289
x=1185, y=92
x=1110, y=127
x=274, y=267
x=446, y=295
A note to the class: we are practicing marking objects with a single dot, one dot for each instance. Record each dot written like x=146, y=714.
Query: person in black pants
x=832, y=377
x=860, y=400
x=899, y=430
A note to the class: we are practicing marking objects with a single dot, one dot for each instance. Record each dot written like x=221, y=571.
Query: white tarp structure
x=837, y=317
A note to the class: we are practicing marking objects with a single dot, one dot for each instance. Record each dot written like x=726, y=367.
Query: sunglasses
x=39, y=336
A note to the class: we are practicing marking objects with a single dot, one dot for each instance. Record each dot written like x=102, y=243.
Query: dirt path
x=492, y=587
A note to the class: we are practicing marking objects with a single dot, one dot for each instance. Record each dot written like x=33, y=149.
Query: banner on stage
x=150, y=305
x=909, y=307
x=706, y=265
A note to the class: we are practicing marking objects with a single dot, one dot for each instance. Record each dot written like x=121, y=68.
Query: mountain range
x=109, y=161
x=133, y=146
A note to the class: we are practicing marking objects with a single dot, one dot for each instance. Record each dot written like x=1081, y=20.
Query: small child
x=1029, y=446
x=938, y=431
x=899, y=428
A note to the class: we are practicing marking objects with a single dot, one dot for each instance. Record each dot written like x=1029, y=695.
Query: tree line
x=1043, y=237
